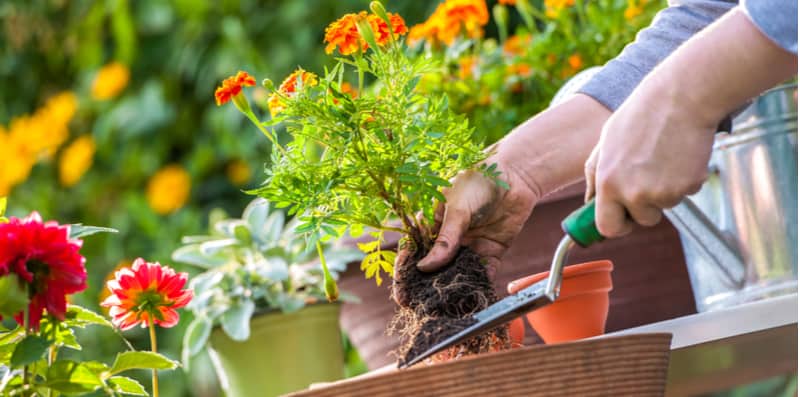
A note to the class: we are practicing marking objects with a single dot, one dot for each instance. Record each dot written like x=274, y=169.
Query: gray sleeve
x=777, y=19
x=669, y=29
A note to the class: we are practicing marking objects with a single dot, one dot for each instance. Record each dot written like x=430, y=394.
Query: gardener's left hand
x=651, y=153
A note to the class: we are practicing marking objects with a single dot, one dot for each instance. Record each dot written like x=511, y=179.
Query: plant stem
x=26, y=322
x=264, y=131
x=154, y=348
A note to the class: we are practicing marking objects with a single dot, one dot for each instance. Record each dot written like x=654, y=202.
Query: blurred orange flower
x=451, y=19
x=289, y=87
x=575, y=62
x=517, y=44
x=508, y=2
x=467, y=67
x=238, y=172
x=633, y=10
x=232, y=86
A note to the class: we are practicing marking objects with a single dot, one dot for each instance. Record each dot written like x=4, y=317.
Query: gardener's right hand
x=541, y=155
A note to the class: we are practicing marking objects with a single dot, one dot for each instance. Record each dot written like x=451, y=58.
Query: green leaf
x=78, y=230
x=368, y=247
x=192, y=255
x=236, y=321
x=29, y=350
x=196, y=335
x=124, y=385
x=141, y=360
x=72, y=377
x=81, y=317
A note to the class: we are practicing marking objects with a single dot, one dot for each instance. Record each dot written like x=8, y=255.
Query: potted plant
x=361, y=158
x=260, y=304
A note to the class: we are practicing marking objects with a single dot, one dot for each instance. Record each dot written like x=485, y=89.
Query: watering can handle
x=580, y=224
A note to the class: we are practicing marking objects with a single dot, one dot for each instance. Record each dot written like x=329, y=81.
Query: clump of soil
x=434, y=306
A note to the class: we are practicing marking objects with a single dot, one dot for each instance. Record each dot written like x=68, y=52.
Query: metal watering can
x=739, y=233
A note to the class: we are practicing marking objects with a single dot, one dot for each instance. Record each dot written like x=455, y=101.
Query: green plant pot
x=285, y=352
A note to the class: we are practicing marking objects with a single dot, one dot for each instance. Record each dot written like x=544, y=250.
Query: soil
x=434, y=306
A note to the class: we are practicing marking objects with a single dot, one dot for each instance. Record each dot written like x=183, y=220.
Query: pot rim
x=571, y=271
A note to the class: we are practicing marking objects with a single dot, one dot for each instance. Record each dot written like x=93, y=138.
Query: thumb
x=454, y=225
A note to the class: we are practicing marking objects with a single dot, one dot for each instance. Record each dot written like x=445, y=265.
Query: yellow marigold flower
x=632, y=11
x=76, y=160
x=553, y=7
x=110, y=80
x=17, y=162
x=168, y=189
x=238, y=172
x=289, y=89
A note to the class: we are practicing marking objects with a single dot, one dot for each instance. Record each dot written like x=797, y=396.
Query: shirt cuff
x=777, y=19
x=613, y=83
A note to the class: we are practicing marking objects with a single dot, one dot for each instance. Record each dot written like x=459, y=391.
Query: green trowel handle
x=580, y=226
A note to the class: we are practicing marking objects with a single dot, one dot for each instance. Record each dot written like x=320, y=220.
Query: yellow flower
x=17, y=162
x=238, y=172
x=632, y=11
x=553, y=7
x=111, y=79
x=76, y=160
x=168, y=189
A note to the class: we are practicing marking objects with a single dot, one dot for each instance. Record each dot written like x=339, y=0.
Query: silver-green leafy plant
x=252, y=264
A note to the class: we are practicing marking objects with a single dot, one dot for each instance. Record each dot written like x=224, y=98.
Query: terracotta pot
x=581, y=309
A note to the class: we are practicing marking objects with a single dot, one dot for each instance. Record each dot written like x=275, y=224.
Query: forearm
x=549, y=150
x=716, y=71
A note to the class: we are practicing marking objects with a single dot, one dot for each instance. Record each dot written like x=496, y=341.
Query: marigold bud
x=268, y=84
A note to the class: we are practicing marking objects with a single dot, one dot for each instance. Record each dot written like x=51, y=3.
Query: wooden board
x=633, y=365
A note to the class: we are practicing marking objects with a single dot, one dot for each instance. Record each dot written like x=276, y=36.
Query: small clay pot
x=582, y=305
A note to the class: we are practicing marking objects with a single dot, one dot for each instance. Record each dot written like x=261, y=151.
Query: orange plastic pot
x=582, y=305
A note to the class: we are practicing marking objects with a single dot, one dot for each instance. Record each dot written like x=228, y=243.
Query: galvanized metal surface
x=751, y=196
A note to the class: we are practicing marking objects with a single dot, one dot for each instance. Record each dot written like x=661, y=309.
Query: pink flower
x=46, y=259
x=144, y=293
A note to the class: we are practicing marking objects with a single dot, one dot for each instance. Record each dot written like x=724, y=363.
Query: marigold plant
x=383, y=155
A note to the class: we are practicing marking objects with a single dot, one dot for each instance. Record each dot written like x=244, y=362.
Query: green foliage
x=31, y=360
x=253, y=263
x=385, y=154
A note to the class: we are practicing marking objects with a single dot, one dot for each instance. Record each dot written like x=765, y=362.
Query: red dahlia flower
x=46, y=259
x=145, y=293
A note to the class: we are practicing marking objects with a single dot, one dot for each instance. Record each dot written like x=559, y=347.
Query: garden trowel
x=580, y=229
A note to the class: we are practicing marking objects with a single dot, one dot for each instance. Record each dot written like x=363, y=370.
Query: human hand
x=655, y=148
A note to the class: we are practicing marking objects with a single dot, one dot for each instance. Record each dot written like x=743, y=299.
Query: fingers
x=589, y=172
x=454, y=225
x=610, y=216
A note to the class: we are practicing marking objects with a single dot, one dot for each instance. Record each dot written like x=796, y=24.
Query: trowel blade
x=502, y=311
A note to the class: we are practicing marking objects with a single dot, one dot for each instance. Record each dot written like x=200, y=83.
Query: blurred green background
x=116, y=99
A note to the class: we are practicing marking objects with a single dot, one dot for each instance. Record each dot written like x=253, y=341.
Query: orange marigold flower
x=575, y=62
x=467, y=67
x=289, y=87
x=343, y=33
x=146, y=293
x=456, y=16
x=520, y=69
x=451, y=19
x=517, y=44
x=232, y=86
